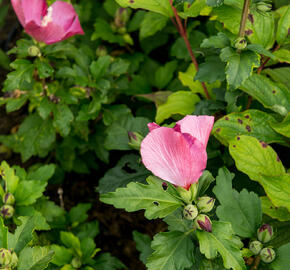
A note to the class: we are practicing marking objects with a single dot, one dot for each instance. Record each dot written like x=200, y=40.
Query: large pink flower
x=47, y=24
x=178, y=155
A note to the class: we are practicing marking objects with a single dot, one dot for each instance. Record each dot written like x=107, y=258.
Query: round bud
x=265, y=233
x=7, y=211
x=240, y=43
x=14, y=260
x=267, y=255
x=76, y=262
x=185, y=194
x=203, y=222
x=122, y=15
x=255, y=247
x=190, y=212
x=8, y=198
x=101, y=51
x=122, y=30
x=5, y=257
x=127, y=38
x=135, y=140
x=205, y=204
x=33, y=51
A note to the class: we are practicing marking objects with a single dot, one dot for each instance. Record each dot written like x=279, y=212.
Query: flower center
x=47, y=18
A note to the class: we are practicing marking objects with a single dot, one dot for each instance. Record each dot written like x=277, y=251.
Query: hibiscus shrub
x=190, y=98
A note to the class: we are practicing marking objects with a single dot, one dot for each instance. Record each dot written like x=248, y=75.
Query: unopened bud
x=122, y=30
x=33, y=51
x=121, y=17
x=193, y=189
x=190, y=212
x=135, y=140
x=267, y=255
x=101, y=51
x=127, y=38
x=240, y=43
x=264, y=7
x=205, y=204
x=265, y=233
x=8, y=198
x=203, y=222
x=185, y=194
x=14, y=260
x=76, y=262
x=5, y=257
x=7, y=211
x=255, y=247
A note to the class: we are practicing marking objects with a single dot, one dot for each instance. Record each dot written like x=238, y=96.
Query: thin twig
x=60, y=195
x=267, y=60
x=244, y=18
x=256, y=263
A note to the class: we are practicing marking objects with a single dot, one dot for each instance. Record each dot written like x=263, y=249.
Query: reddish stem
x=267, y=60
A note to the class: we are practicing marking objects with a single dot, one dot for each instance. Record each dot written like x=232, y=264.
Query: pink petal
x=34, y=11
x=175, y=157
x=152, y=126
x=197, y=126
x=17, y=6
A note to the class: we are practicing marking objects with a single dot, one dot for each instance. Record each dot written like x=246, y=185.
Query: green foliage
x=143, y=242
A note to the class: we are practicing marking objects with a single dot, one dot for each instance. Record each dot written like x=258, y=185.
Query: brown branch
x=256, y=263
x=267, y=60
x=183, y=33
x=244, y=18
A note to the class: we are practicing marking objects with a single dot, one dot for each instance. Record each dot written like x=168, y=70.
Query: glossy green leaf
x=180, y=102
x=283, y=127
x=280, y=75
x=156, y=201
x=272, y=95
x=242, y=210
x=71, y=242
x=280, y=213
x=282, y=260
x=198, y=7
x=42, y=173
x=61, y=256
x=283, y=55
x=283, y=26
x=176, y=254
x=223, y=241
x=251, y=122
x=143, y=245
x=9, y=176
x=151, y=24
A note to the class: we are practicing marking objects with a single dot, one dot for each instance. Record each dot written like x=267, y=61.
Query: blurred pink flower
x=47, y=24
x=178, y=155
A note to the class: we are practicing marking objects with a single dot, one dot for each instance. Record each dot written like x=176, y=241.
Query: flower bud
x=255, y=247
x=8, y=198
x=190, y=212
x=205, y=204
x=128, y=39
x=203, y=222
x=101, y=51
x=240, y=43
x=185, y=194
x=33, y=51
x=5, y=257
x=121, y=17
x=264, y=7
x=7, y=211
x=76, y=262
x=267, y=255
x=135, y=140
x=265, y=233
x=14, y=260
x=193, y=189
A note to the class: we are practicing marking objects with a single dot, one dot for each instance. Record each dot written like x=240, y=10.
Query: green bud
x=121, y=17
x=5, y=257
x=240, y=43
x=265, y=233
x=190, y=212
x=185, y=194
x=205, y=204
x=33, y=51
x=76, y=262
x=255, y=247
x=113, y=27
x=101, y=51
x=135, y=140
x=203, y=222
x=14, y=260
x=8, y=198
x=264, y=7
x=193, y=189
x=127, y=38
x=7, y=211
x=267, y=255
x=122, y=30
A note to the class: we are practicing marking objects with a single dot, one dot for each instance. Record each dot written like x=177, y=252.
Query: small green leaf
x=176, y=254
x=283, y=55
x=280, y=213
x=151, y=24
x=62, y=255
x=180, y=102
x=279, y=75
x=143, y=245
x=176, y=221
x=107, y=262
x=223, y=241
x=196, y=8
x=283, y=26
x=3, y=234
x=63, y=118
x=283, y=127
x=9, y=176
x=42, y=173
x=72, y=242
x=164, y=74
x=78, y=214
x=44, y=68
x=99, y=68
x=156, y=201
x=219, y=41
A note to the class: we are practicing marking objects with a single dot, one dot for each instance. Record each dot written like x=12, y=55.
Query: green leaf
x=63, y=118
x=283, y=55
x=251, y=122
x=258, y=48
x=118, y=67
x=176, y=221
x=204, y=182
x=35, y=258
x=78, y=214
x=128, y=169
x=242, y=210
x=176, y=254
x=219, y=41
x=282, y=260
x=239, y=65
x=99, y=68
x=197, y=8
x=72, y=242
x=283, y=26
x=156, y=201
x=44, y=68
x=151, y=24
x=62, y=255
x=159, y=6
x=223, y=241
x=164, y=74
x=283, y=127
x=255, y=158
x=279, y=75
x=280, y=213
x=42, y=173
x=107, y=262
x=3, y=234
x=14, y=104
x=272, y=95
x=180, y=102
x=143, y=245
x=9, y=176
x=4, y=60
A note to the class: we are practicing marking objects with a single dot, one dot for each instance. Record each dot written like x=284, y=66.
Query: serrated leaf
x=251, y=122
x=223, y=241
x=283, y=26
x=242, y=210
x=272, y=95
x=35, y=258
x=282, y=260
x=280, y=213
x=61, y=256
x=151, y=24
x=156, y=201
x=177, y=254
x=107, y=262
x=283, y=127
x=143, y=245
x=180, y=102
x=164, y=74
x=63, y=118
x=219, y=41
x=43, y=67
x=9, y=176
x=42, y=173
x=72, y=242
x=239, y=65
x=176, y=221
x=78, y=214
x=198, y=7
